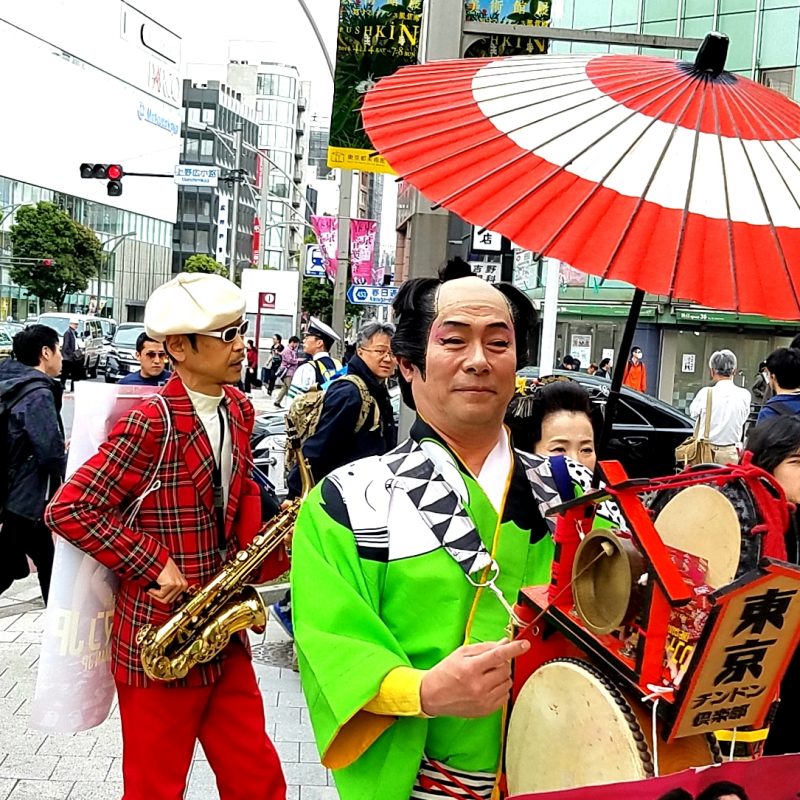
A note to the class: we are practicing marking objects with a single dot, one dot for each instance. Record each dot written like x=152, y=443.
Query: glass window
x=591, y=14
x=782, y=80
x=266, y=84
x=699, y=8
x=656, y=10
x=187, y=237
x=202, y=241
x=740, y=29
x=286, y=86
x=728, y=6
x=203, y=206
x=193, y=114
x=779, y=38
x=207, y=148
x=192, y=149
x=624, y=12
x=208, y=115
x=189, y=204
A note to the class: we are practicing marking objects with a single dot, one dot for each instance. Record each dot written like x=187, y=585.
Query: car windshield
x=59, y=324
x=126, y=337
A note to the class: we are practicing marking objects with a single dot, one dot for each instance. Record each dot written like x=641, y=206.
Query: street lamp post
x=117, y=240
x=237, y=180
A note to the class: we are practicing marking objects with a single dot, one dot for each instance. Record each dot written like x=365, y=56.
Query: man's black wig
x=414, y=311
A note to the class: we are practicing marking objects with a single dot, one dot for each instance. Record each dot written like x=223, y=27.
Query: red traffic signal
x=46, y=262
x=113, y=173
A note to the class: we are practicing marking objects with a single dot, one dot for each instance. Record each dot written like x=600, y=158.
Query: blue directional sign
x=371, y=295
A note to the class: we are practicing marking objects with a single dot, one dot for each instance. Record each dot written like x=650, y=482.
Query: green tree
x=318, y=300
x=200, y=262
x=57, y=256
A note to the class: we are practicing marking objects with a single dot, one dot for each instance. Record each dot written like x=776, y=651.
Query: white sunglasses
x=229, y=334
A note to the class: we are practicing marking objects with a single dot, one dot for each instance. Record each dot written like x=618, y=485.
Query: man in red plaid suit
x=204, y=509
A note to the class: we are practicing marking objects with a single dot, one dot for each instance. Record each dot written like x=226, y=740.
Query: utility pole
x=237, y=181
x=347, y=190
x=264, y=209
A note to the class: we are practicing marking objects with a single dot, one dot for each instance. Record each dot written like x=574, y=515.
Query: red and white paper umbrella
x=679, y=178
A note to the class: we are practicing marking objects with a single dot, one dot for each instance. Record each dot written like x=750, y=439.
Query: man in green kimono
x=405, y=565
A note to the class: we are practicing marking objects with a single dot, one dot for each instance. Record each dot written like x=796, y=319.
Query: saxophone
x=202, y=627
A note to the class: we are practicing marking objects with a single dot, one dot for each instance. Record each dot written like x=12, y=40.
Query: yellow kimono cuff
x=399, y=695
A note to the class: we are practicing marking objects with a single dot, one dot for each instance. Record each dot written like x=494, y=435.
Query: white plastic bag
x=74, y=686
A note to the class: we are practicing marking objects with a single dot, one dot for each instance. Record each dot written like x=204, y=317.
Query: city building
x=108, y=92
x=280, y=100
x=212, y=112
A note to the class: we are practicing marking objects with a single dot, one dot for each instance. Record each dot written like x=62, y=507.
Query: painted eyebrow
x=494, y=325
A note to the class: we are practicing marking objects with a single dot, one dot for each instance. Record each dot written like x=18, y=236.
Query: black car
x=121, y=358
x=646, y=430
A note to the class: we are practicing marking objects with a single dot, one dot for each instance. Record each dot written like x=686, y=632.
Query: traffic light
x=113, y=173
x=46, y=263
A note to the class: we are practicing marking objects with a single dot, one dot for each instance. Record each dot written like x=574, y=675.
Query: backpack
x=306, y=410
x=6, y=406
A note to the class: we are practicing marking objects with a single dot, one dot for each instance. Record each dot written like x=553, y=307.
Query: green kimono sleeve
x=344, y=652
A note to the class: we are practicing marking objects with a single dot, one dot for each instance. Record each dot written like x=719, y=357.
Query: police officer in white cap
x=185, y=455
x=317, y=343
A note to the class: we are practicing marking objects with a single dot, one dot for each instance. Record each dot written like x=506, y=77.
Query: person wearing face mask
x=635, y=371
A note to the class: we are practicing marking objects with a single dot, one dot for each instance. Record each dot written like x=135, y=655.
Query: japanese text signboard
x=745, y=653
x=375, y=39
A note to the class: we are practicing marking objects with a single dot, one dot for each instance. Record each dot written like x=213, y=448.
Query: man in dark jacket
x=338, y=438
x=36, y=456
x=783, y=366
x=72, y=355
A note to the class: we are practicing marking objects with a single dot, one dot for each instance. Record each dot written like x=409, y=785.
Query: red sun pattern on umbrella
x=632, y=168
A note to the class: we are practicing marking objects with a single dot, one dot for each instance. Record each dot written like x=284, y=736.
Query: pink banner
x=362, y=250
x=772, y=778
x=327, y=231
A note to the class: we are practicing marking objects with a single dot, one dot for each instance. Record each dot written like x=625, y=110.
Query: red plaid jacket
x=175, y=521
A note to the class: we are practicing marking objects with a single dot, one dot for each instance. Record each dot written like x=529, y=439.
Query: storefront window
x=781, y=80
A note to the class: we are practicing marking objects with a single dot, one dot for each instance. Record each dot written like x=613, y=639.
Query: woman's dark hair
x=414, y=310
x=29, y=343
x=676, y=794
x=604, y=363
x=250, y=343
x=771, y=442
x=633, y=350
x=526, y=414
x=720, y=789
x=293, y=339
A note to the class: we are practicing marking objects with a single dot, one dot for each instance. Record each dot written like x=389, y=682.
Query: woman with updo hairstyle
x=774, y=445
x=556, y=418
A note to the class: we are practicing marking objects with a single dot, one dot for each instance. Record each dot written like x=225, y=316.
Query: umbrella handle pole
x=616, y=379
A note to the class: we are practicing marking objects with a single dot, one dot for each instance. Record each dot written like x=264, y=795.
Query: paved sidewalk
x=87, y=766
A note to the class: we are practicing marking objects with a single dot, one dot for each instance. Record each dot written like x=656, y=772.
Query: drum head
x=571, y=726
x=700, y=520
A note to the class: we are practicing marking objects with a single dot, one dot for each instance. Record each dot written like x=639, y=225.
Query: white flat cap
x=316, y=327
x=193, y=302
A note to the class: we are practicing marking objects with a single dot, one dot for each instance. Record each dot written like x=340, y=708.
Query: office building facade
x=212, y=112
x=105, y=94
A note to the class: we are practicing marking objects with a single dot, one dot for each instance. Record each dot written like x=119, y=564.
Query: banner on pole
x=375, y=39
x=362, y=250
x=327, y=231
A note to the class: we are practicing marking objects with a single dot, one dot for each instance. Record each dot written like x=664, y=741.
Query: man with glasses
x=151, y=355
x=184, y=454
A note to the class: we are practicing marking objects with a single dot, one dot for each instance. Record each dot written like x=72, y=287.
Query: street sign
x=196, y=175
x=315, y=263
x=266, y=300
x=371, y=295
x=486, y=241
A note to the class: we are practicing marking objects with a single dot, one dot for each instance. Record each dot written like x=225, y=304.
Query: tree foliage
x=57, y=256
x=318, y=300
x=200, y=262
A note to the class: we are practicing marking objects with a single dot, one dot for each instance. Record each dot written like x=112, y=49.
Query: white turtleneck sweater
x=206, y=407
